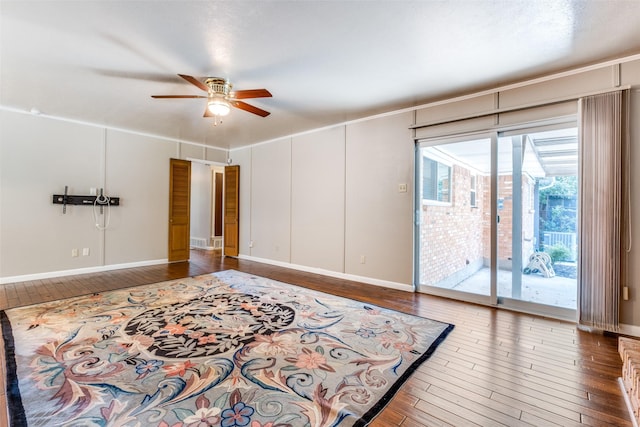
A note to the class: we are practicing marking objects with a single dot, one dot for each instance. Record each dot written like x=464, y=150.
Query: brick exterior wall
x=452, y=237
x=505, y=211
x=455, y=238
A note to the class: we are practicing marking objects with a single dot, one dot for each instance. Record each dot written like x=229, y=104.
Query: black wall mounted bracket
x=67, y=199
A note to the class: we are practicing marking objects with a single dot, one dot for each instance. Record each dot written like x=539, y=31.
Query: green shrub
x=558, y=252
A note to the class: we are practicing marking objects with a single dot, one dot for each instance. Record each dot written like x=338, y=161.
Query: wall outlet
x=74, y=252
x=250, y=243
x=402, y=188
x=85, y=251
x=363, y=259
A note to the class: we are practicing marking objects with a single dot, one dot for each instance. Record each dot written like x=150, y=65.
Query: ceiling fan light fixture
x=219, y=107
x=220, y=99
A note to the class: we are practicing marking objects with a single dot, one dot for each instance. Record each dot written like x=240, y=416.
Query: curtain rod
x=517, y=108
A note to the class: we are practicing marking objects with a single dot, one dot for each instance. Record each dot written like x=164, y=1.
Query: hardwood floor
x=495, y=368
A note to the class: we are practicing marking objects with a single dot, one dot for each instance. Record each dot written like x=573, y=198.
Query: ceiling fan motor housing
x=218, y=86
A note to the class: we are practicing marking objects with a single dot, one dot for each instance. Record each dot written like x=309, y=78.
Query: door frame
x=209, y=163
x=476, y=298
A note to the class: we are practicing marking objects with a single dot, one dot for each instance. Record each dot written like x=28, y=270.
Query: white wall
x=271, y=198
x=192, y=151
x=328, y=201
x=630, y=310
x=317, y=199
x=40, y=155
x=38, y=158
x=379, y=218
x=138, y=172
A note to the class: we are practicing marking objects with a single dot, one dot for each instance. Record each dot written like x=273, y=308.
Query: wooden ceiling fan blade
x=195, y=82
x=177, y=96
x=207, y=113
x=251, y=93
x=250, y=108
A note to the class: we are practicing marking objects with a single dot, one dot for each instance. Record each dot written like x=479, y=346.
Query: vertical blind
x=603, y=206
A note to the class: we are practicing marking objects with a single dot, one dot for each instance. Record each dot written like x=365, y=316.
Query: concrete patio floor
x=555, y=291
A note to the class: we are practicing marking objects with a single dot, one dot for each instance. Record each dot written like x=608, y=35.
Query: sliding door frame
x=520, y=131
x=492, y=299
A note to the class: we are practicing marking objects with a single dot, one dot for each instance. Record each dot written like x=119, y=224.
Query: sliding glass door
x=496, y=219
x=454, y=217
x=537, y=208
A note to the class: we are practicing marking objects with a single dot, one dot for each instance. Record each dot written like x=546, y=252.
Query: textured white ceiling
x=325, y=62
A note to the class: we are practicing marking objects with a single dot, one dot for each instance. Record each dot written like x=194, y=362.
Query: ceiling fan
x=220, y=98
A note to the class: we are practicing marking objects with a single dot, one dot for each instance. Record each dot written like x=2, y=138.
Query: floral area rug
x=226, y=349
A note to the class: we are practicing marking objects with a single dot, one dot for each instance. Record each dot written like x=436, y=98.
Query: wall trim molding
x=76, y=271
x=329, y=273
x=113, y=128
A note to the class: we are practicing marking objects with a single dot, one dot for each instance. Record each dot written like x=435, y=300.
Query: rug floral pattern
x=227, y=349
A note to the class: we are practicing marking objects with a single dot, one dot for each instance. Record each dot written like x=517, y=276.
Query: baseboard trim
x=329, y=273
x=74, y=272
x=632, y=330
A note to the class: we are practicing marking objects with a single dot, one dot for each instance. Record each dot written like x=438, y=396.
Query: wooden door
x=179, y=210
x=231, y=210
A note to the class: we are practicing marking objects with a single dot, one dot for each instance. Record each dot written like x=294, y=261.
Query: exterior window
x=472, y=200
x=436, y=181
